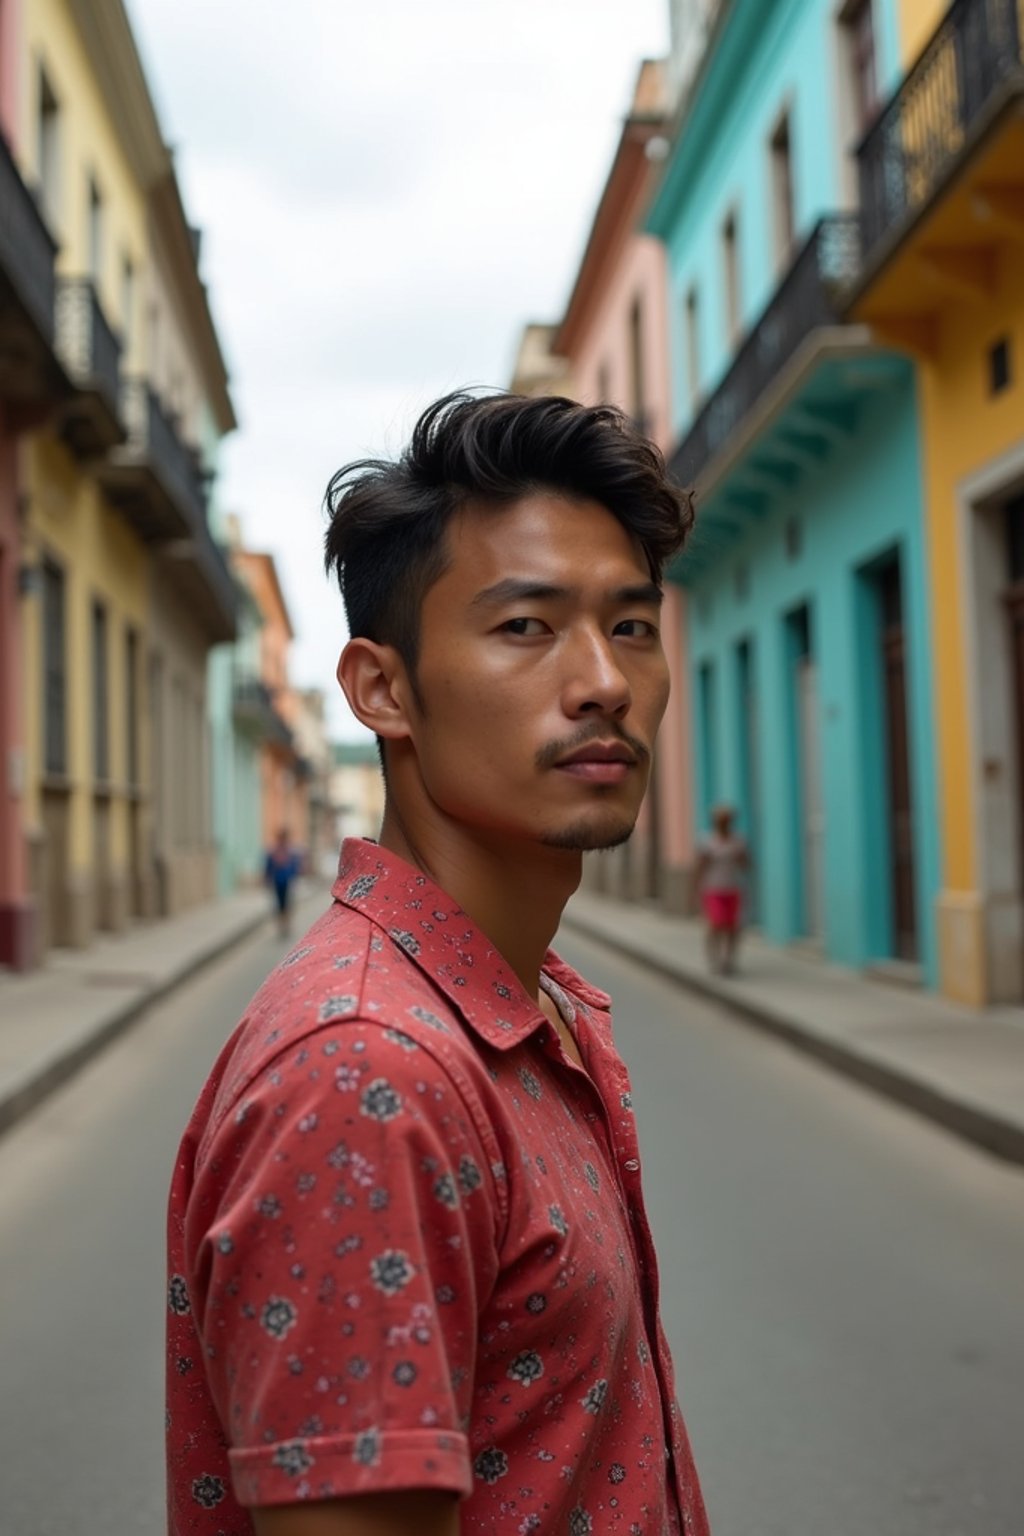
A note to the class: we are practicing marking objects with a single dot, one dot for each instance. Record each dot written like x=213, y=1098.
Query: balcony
x=29, y=372
x=199, y=572
x=156, y=481
x=941, y=171
x=257, y=714
x=970, y=71
x=153, y=477
x=90, y=421
x=808, y=298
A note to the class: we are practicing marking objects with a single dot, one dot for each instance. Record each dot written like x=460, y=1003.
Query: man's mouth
x=599, y=762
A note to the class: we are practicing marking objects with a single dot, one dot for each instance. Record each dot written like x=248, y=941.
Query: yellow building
x=114, y=494
x=942, y=191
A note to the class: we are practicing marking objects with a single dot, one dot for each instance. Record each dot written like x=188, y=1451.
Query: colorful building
x=357, y=789
x=32, y=387
x=807, y=591
x=941, y=178
x=129, y=590
x=613, y=338
x=239, y=723
x=284, y=772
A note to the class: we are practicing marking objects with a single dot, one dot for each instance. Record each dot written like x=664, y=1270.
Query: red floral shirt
x=408, y=1246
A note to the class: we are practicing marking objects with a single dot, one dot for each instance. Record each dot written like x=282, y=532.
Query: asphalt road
x=843, y=1285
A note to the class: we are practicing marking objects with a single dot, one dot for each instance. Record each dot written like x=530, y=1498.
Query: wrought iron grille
x=807, y=297
x=87, y=346
x=152, y=435
x=916, y=141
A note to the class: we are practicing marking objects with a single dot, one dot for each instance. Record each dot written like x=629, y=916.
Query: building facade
x=357, y=789
x=128, y=588
x=807, y=593
x=33, y=386
x=284, y=773
x=240, y=720
x=941, y=177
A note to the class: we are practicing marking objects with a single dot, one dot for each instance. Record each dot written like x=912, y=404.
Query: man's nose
x=595, y=682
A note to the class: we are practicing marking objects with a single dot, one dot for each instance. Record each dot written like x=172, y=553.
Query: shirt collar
x=448, y=947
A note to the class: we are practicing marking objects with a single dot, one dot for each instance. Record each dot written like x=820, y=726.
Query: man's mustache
x=548, y=756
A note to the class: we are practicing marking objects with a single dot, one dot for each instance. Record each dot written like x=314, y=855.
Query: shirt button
x=632, y=1164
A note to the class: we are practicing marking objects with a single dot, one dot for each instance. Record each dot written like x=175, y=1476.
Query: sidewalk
x=959, y=1067
x=54, y=1019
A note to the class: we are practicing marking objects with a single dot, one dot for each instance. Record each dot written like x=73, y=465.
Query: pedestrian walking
x=722, y=863
x=412, y=1285
x=282, y=868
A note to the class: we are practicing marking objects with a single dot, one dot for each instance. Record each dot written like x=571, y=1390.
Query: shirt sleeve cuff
x=338, y=1466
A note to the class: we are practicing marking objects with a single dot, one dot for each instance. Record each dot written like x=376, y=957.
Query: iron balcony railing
x=151, y=436
x=808, y=296
x=974, y=55
x=85, y=343
x=27, y=249
x=255, y=701
x=216, y=572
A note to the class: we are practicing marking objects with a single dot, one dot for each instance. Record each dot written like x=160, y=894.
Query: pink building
x=30, y=383
x=614, y=337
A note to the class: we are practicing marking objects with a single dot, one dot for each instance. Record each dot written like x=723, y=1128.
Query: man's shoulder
x=344, y=970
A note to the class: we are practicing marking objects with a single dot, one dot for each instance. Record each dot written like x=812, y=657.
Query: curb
x=53, y=1073
x=972, y=1122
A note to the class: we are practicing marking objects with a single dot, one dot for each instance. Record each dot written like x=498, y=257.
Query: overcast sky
x=388, y=190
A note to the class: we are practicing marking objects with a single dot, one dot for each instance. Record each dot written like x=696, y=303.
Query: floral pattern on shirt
x=407, y=1243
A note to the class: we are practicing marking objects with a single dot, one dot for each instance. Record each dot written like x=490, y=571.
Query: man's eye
x=523, y=627
x=636, y=629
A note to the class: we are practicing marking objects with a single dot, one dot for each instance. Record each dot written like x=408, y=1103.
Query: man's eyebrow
x=641, y=592
x=514, y=589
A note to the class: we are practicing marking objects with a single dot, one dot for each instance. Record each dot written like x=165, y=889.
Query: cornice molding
x=107, y=37
x=622, y=199
x=170, y=227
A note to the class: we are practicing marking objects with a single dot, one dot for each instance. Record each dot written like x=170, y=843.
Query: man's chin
x=590, y=835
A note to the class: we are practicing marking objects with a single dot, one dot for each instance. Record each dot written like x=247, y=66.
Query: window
x=636, y=364
x=127, y=305
x=730, y=262
x=858, y=24
x=100, y=695
x=54, y=671
x=999, y=370
x=782, y=190
x=131, y=686
x=48, y=149
x=94, y=232
x=693, y=347
x=604, y=385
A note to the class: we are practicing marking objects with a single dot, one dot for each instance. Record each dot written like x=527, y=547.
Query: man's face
x=541, y=674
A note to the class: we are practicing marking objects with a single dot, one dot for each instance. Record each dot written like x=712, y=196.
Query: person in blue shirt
x=282, y=867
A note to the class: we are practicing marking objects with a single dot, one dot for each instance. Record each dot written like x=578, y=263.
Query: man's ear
x=374, y=680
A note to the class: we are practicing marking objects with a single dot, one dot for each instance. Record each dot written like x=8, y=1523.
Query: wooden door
x=901, y=819
x=812, y=809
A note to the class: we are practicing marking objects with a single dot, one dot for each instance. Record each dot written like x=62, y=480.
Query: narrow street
x=841, y=1282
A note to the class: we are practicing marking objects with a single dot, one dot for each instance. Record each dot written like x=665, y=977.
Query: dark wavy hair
x=386, y=540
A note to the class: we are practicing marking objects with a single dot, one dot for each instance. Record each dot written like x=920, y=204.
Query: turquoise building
x=806, y=579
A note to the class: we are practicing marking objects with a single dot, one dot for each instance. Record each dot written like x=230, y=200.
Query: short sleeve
x=341, y=1241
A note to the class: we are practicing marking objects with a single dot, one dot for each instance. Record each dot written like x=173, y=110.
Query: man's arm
x=417, y=1512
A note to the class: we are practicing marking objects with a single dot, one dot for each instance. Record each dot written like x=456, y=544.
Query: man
x=412, y=1284
x=280, y=872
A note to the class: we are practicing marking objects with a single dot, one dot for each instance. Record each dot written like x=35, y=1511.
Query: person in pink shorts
x=722, y=862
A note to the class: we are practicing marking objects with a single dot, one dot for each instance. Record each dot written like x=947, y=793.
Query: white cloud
x=388, y=190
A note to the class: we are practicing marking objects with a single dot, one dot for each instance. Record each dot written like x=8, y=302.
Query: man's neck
x=515, y=892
